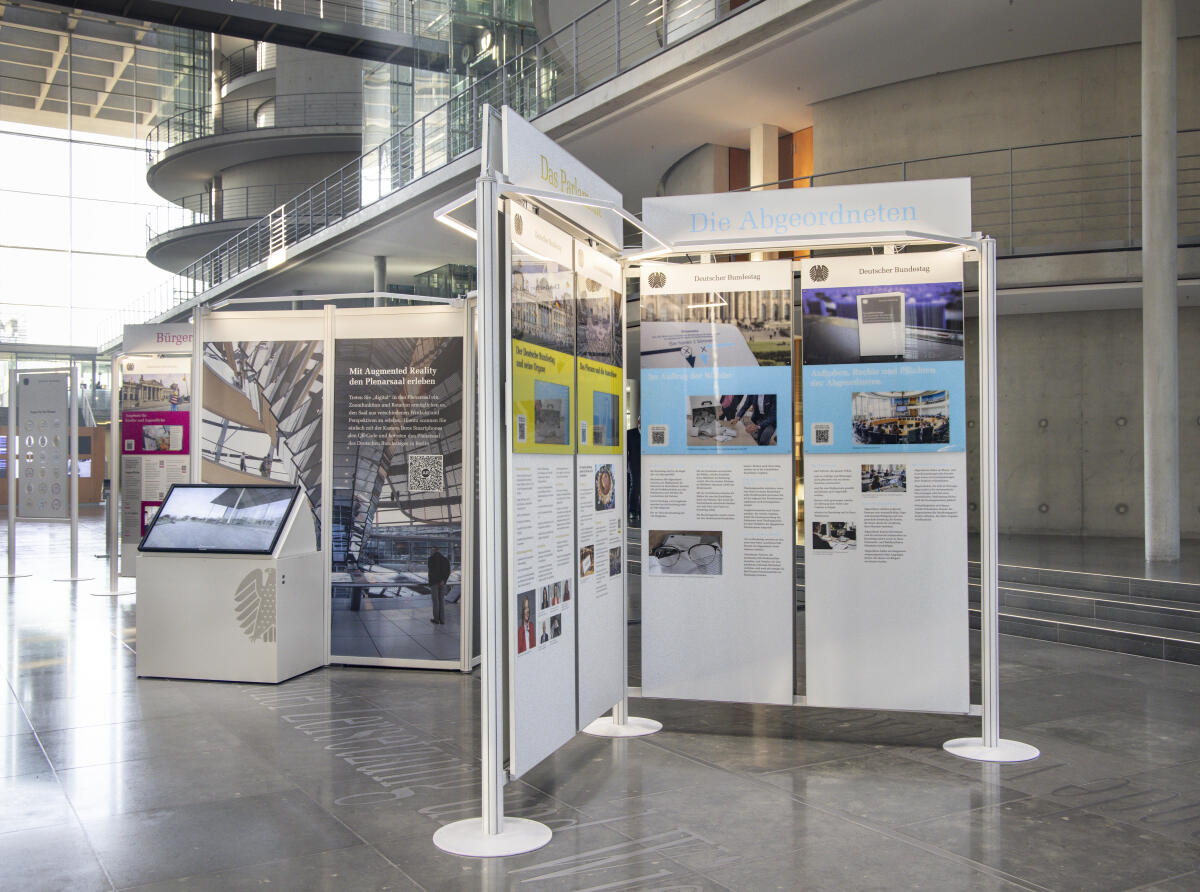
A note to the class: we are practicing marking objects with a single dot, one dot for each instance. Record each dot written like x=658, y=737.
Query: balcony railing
x=263, y=113
x=256, y=57
x=216, y=205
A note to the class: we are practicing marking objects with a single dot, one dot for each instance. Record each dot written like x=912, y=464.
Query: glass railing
x=263, y=113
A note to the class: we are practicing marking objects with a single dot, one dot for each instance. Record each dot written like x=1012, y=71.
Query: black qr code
x=521, y=429
x=822, y=434
x=658, y=435
x=425, y=473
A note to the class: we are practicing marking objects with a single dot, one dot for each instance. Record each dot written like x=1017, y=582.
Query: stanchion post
x=13, y=456
x=491, y=834
x=989, y=747
x=114, y=483
x=73, y=478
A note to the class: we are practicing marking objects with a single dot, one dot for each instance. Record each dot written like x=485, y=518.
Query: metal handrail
x=261, y=113
x=248, y=60
x=216, y=205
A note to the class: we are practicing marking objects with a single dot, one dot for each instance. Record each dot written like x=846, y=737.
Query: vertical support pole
x=196, y=456
x=327, y=413
x=113, y=507
x=13, y=456
x=491, y=834
x=73, y=470
x=470, y=430
x=379, y=278
x=990, y=747
x=1160, y=302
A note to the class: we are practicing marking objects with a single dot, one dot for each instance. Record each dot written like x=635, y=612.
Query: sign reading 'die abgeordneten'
x=936, y=207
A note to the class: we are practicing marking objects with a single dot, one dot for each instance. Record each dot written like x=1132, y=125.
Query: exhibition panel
x=43, y=434
x=229, y=585
x=399, y=564
x=155, y=440
x=885, y=482
x=716, y=407
x=541, y=512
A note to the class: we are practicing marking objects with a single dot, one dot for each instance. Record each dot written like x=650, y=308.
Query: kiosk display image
x=901, y=417
x=220, y=519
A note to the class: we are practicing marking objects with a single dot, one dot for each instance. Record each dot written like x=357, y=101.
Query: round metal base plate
x=633, y=727
x=75, y=579
x=16, y=576
x=113, y=594
x=1007, y=750
x=467, y=838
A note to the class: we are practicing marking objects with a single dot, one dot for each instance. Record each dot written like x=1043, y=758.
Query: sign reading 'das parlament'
x=533, y=160
x=175, y=337
x=937, y=207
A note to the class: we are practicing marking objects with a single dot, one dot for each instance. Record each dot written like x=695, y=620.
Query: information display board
x=541, y=496
x=716, y=418
x=396, y=556
x=885, y=482
x=155, y=402
x=43, y=432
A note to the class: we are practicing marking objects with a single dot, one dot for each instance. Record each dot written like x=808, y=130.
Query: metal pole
x=470, y=432
x=13, y=456
x=114, y=474
x=990, y=747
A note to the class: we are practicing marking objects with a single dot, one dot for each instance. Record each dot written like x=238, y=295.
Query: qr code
x=822, y=434
x=658, y=435
x=426, y=473
x=583, y=432
x=520, y=428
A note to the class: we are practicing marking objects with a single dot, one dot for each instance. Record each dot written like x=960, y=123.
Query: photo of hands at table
x=834, y=535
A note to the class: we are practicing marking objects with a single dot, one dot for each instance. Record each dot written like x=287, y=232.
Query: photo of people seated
x=884, y=478
x=903, y=417
x=732, y=419
x=834, y=535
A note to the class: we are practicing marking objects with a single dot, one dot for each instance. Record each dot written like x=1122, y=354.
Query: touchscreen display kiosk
x=220, y=519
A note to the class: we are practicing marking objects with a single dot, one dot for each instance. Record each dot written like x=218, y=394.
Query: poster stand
x=74, y=480
x=10, y=458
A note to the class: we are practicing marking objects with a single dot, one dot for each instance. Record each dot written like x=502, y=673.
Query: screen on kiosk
x=237, y=519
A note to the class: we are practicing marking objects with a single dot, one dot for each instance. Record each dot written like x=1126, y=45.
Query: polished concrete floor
x=337, y=780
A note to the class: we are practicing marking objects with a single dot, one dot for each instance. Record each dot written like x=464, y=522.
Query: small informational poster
x=717, y=516
x=600, y=335
x=155, y=400
x=43, y=446
x=397, y=549
x=885, y=482
x=544, y=562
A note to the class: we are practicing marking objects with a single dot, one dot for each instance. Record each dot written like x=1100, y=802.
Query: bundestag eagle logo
x=818, y=273
x=657, y=280
x=254, y=605
x=518, y=224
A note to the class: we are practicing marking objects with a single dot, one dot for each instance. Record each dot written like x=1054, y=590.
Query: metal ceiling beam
x=253, y=22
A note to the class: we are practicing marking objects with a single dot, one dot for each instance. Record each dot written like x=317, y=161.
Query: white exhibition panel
x=533, y=160
x=191, y=610
x=431, y=321
x=264, y=325
x=43, y=433
x=718, y=602
x=885, y=482
x=725, y=635
x=803, y=216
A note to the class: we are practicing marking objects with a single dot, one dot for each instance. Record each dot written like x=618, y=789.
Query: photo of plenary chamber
x=883, y=323
x=551, y=413
x=898, y=417
x=685, y=553
x=742, y=419
x=834, y=535
x=884, y=478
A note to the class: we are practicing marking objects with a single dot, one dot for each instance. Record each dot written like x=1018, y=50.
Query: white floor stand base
x=633, y=727
x=1007, y=750
x=467, y=838
x=113, y=594
x=15, y=575
x=76, y=579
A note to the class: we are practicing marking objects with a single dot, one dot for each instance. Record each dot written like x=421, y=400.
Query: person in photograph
x=555, y=626
x=730, y=405
x=525, y=632
x=555, y=595
x=439, y=572
x=605, y=488
x=566, y=590
x=174, y=399
x=545, y=637
x=586, y=560
x=762, y=419
x=545, y=596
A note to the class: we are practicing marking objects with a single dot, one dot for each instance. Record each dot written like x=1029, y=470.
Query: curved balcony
x=254, y=59
x=195, y=224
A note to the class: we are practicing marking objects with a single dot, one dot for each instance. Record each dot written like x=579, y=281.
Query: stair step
x=1149, y=612
x=1176, y=590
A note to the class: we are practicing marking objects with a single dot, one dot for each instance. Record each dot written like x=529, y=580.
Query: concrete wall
x=700, y=171
x=1067, y=380
x=1080, y=95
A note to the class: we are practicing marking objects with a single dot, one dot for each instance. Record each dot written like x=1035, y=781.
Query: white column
x=1160, y=307
x=379, y=280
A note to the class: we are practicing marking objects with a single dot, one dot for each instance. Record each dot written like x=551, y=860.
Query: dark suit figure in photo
x=761, y=423
x=439, y=572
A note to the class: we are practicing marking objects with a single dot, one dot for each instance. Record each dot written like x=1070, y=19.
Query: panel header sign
x=937, y=207
x=175, y=337
x=533, y=160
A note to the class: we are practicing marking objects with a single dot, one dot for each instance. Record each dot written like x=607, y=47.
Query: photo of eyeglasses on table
x=684, y=553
